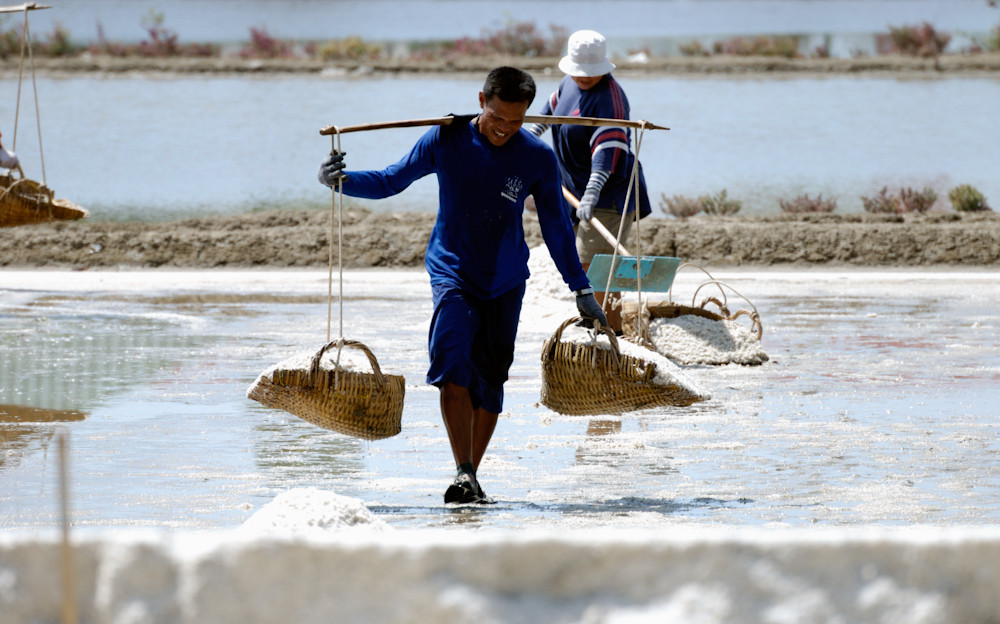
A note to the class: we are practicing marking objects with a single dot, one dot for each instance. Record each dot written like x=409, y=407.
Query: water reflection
x=26, y=429
x=296, y=452
x=59, y=360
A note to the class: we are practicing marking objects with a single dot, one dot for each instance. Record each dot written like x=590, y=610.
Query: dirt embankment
x=951, y=64
x=394, y=240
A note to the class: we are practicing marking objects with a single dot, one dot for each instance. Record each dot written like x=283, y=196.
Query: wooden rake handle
x=597, y=225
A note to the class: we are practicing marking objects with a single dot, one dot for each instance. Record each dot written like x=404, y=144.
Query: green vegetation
x=783, y=46
x=719, y=204
x=351, y=48
x=787, y=47
x=514, y=39
x=907, y=200
x=966, y=198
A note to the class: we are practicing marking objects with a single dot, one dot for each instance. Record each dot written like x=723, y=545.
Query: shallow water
x=155, y=149
x=878, y=407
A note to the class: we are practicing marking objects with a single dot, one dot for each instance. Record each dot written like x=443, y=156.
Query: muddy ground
x=892, y=64
x=289, y=238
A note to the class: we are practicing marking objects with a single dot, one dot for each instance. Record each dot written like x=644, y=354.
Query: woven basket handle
x=557, y=336
x=341, y=342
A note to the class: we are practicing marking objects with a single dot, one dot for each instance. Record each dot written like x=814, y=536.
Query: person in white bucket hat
x=588, y=56
x=595, y=162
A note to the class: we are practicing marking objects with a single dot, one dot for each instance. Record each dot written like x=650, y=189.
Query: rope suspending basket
x=24, y=201
x=335, y=393
x=591, y=377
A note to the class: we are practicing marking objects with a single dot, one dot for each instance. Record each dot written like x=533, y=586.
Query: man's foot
x=483, y=498
x=463, y=491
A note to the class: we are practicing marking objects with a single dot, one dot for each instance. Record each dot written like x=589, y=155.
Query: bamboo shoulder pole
x=541, y=119
x=27, y=6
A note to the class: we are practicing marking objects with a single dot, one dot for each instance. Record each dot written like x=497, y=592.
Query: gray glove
x=585, y=210
x=587, y=305
x=331, y=170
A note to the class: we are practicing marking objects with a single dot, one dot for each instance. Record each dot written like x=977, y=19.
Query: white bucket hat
x=588, y=55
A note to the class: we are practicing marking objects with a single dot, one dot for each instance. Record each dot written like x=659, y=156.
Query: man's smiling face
x=500, y=120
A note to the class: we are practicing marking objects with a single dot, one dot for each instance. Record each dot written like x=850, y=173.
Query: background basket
x=363, y=405
x=588, y=379
x=631, y=325
x=24, y=201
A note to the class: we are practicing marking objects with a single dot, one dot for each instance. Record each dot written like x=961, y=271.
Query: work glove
x=331, y=170
x=587, y=305
x=585, y=210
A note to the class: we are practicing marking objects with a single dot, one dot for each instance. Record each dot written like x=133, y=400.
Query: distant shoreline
x=893, y=65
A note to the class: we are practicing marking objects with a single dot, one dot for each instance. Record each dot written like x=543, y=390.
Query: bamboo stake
x=540, y=119
x=69, y=580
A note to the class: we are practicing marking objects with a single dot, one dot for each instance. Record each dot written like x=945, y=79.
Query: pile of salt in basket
x=591, y=376
x=333, y=395
x=694, y=334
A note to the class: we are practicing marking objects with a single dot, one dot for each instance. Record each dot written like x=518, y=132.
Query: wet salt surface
x=878, y=406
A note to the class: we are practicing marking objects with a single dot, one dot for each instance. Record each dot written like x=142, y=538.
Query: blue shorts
x=471, y=342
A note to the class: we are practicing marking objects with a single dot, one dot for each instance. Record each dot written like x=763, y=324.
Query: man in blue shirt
x=477, y=257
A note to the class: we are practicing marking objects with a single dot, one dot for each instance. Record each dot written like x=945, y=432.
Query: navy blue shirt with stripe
x=583, y=149
x=477, y=243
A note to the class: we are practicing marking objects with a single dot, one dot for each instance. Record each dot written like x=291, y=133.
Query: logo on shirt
x=512, y=188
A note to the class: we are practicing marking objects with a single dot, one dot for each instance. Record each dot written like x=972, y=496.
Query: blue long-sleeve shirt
x=478, y=239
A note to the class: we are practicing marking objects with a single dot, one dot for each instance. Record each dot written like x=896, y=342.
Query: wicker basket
x=24, y=202
x=588, y=379
x=363, y=405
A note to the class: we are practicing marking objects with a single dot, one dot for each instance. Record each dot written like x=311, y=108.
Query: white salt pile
x=690, y=339
x=309, y=512
x=546, y=294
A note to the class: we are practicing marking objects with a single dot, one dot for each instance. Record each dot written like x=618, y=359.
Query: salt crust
x=714, y=575
x=546, y=294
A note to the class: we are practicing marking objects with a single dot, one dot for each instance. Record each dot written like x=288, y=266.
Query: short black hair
x=510, y=84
